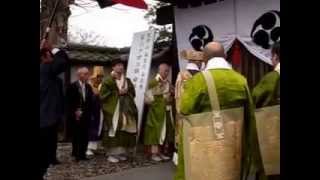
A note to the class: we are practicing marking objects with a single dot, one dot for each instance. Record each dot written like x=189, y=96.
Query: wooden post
x=58, y=30
x=59, y=27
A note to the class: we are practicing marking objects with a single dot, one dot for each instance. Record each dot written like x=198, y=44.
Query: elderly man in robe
x=97, y=114
x=159, y=127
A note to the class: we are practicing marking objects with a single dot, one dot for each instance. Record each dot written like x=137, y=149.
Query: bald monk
x=231, y=88
x=159, y=131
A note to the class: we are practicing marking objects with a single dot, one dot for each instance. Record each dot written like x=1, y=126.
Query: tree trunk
x=59, y=27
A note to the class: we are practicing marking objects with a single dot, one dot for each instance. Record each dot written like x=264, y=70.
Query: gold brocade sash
x=212, y=141
x=128, y=124
x=268, y=130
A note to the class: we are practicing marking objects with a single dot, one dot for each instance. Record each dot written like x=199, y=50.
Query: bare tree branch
x=82, y=36
x=86, y=4
x=164, y=33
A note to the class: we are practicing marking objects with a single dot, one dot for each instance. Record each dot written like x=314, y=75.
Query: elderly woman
x=97, y=117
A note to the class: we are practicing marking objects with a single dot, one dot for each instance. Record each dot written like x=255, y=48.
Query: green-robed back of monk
x=232, y=92
x=266, y=96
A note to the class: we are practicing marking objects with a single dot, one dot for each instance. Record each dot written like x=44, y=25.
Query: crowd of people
x=101, y=108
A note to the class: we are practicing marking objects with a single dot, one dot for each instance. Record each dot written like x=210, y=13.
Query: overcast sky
x=115, y=24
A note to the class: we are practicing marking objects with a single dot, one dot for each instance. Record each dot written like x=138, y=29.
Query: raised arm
x=191, y=95
x=59, y=64
x=105, y=90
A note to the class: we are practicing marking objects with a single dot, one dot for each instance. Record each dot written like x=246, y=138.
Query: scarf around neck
x=121, y=83
x=218, y=63
x=277, y=68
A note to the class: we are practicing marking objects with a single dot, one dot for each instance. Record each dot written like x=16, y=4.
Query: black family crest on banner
x=255, y=23
x=194, y=3
x=266, y=29
x=200, y=36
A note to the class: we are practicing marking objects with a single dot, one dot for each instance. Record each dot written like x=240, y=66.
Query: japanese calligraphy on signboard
x=139, y=66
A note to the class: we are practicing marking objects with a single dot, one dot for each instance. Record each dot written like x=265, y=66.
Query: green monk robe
x=109, y=95
x=156, y=116
x=232, y=93
x=266, y=93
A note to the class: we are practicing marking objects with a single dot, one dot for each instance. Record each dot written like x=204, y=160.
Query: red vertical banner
x=236, y=54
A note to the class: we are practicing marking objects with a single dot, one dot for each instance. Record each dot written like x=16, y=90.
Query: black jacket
x=51, y=92
x=75, y=101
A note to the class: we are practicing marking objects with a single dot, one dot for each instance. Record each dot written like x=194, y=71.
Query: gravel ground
x=98, y=165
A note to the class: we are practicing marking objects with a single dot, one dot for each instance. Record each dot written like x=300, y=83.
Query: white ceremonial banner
x=197, y=26
x=258, y=26
x=139, y=66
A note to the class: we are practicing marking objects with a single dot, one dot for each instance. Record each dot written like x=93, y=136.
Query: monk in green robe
x=159, y=131
x=267, y=93
x=232, y=92
x=120, y=114
x=194, y=65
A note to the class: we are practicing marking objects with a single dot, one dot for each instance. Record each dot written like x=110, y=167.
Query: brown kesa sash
x=212, y=141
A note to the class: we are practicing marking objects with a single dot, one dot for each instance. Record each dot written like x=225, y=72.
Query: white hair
x=82, y=70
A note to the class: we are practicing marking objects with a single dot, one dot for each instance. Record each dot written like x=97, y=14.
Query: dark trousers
x=53, y=144
x=80, y=139
x=48, y=146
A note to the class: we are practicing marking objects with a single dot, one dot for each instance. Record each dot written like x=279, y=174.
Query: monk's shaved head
x=164, y=70
x=214, y=49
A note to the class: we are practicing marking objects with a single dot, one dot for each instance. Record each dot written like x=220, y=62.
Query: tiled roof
x=93, y=53
x=84, y=53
